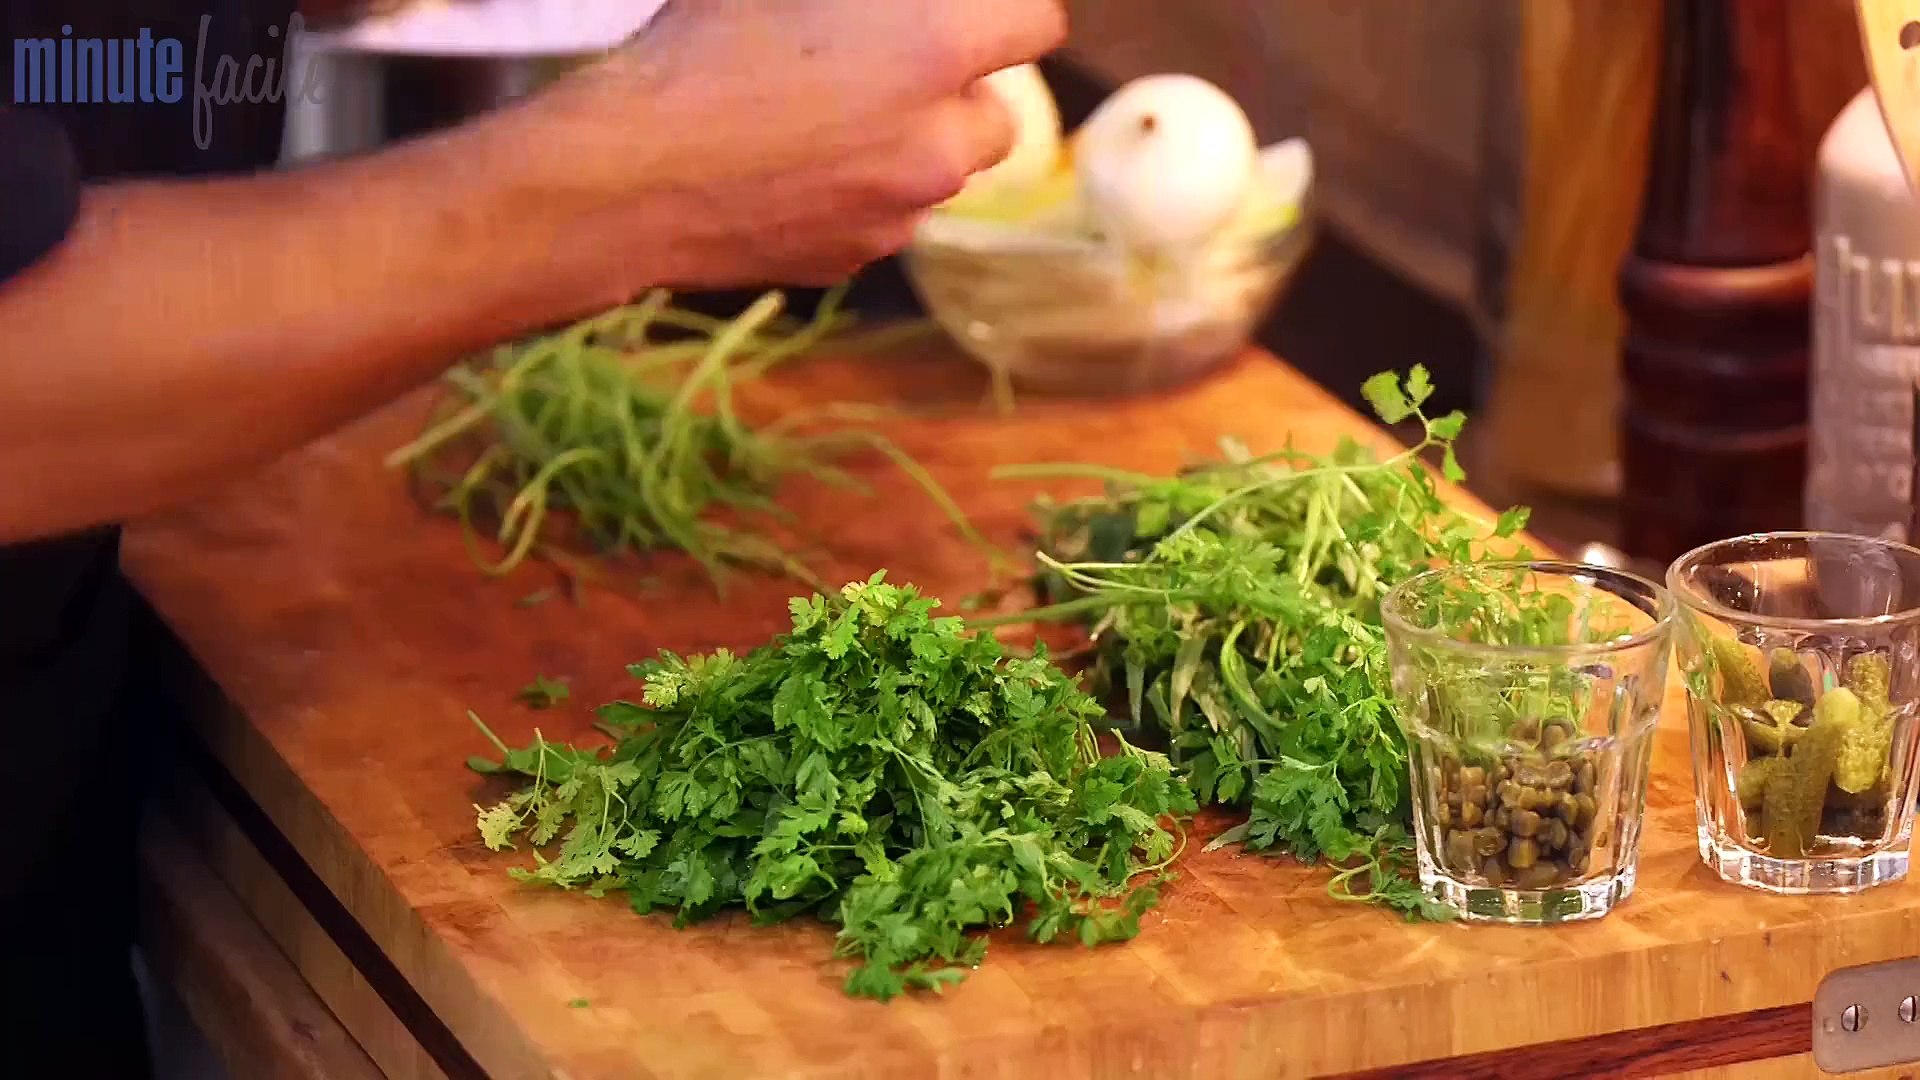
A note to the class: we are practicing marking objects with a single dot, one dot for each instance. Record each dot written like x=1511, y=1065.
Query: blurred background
x=1481, y=168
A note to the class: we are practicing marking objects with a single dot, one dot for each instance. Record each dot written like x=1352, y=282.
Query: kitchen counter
x=338, y=634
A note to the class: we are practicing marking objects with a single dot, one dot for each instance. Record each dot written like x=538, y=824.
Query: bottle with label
x=1866, y=332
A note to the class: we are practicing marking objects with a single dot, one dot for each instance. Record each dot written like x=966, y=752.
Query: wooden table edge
x=257, y=1009
x=1755, y=1035
x=219, y=732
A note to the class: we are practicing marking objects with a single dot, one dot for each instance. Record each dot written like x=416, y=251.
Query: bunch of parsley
x=878, y=767
x=1237, y=606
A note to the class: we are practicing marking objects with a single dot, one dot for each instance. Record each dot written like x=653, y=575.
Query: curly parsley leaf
x=1237, y=607
x=543, y=693
x=878, y=767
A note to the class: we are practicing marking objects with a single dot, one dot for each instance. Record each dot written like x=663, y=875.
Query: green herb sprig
x=1236, y=605
x=544, y=693
x=877, y=767
x=621, y=434
x=1480, y=704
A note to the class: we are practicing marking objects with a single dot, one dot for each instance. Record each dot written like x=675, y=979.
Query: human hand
x=745, y=142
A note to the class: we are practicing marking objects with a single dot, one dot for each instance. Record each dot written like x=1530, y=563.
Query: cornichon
x=1788, y=679
x=1795, y=792
x=1783, y=712
x=1863, y=756
x=1740, y=682
x=1773, y=731
x=1868, y=675
x=1753, y=780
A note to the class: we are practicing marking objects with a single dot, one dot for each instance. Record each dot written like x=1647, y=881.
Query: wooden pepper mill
x=1716, y=290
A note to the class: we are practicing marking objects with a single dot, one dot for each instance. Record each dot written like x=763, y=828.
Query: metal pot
x=358, y=84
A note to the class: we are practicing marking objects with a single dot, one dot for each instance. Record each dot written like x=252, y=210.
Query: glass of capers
x=1798, y=651
x=1529, y=693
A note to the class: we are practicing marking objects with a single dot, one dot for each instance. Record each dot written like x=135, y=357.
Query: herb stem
x=1043, y=471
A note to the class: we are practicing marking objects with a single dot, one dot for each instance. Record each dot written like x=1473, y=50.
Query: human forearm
x=248, y=316
x=183, y=331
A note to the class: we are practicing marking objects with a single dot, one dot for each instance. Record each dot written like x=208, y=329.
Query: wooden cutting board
x=350, y=633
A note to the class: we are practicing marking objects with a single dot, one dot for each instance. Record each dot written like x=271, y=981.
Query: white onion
x=1165, y=163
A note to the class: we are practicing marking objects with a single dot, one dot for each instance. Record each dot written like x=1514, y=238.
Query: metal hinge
x=1868, y=1017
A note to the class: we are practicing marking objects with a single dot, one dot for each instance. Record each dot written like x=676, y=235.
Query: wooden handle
x=1890, y=33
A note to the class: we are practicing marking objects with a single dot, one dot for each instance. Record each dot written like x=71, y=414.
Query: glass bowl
x=1798, y=653
x=1062, y=314
x=1529, y=693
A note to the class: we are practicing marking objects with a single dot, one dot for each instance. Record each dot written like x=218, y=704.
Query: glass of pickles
x=1798, y=654
x=1529, y=693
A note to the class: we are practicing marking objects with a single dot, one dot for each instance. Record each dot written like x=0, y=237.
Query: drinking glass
x=1797, y=650
x=1529, y=694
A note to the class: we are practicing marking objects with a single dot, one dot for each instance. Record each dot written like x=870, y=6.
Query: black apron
x=67, y=707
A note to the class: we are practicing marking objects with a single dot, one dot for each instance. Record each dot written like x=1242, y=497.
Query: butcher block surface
x=350, y=632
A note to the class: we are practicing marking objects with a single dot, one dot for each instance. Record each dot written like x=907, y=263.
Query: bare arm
x=185, y=330
x=188, y=328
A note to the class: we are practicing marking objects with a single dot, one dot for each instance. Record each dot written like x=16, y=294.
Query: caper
x=1524, y=823
x=1566, y=807
x=1526, y=730
x=1578, y=860
x=1472, y=776
x=1585, y=810
x=1530, y=776
x=1469, y=815
x=1556, y=834
x=1443, y=816
x=1501, y=816
x=1559, y=775
x=1476, y=793
x=1494, y=871
x=1583, y=780
x=1521, y=853
x=1555, y=734
x=1509, y=792
x=1537, y=875
x=1488, y=842
x=1460, y=851
x=1534, y=799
